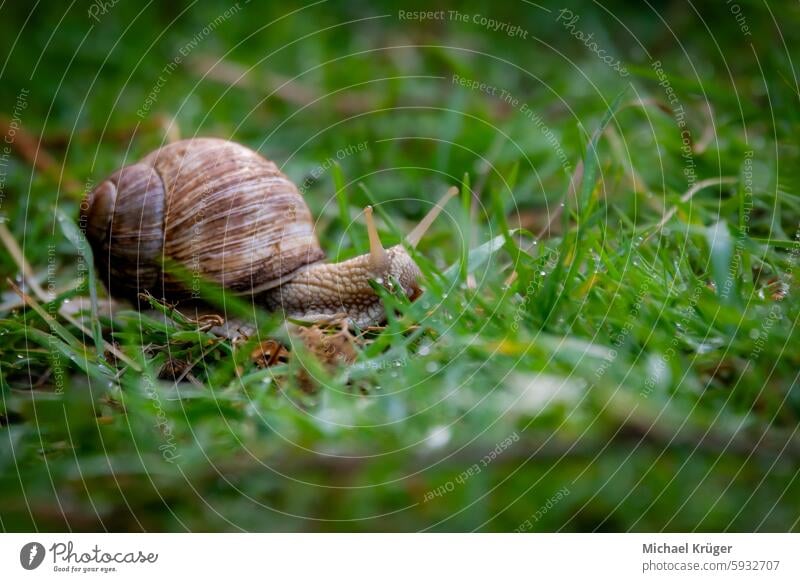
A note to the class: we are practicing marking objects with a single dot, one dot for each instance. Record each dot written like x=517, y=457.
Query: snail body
x=226, y=214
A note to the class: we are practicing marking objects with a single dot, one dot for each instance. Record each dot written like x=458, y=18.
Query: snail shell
x=223, y=211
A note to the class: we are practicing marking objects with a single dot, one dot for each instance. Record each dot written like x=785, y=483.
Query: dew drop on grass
x=704, y=348
x=424, y=350
x=542, y=273
x=431, y=367
x=438, y=437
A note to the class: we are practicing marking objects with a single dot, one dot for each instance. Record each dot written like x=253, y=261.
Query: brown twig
x=62, y=139
x=688, y=196
x=284, y=88
x=51, y=321
x=708, y=134
x=16, y=253
x=30, y=149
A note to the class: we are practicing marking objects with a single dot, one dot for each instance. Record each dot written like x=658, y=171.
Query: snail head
x=396, y=262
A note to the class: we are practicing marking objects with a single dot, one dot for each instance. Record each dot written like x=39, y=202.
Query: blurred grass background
x=600, y=373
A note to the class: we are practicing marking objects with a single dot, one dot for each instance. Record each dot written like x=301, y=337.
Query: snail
x=229, y=215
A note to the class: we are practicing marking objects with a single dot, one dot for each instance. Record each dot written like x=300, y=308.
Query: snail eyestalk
x=419, y=231
x=376, y=251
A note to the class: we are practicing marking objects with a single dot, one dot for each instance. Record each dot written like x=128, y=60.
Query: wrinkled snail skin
x=228, y=215
x=318, y=291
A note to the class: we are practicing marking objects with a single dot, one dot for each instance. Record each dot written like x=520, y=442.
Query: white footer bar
x=401, y=557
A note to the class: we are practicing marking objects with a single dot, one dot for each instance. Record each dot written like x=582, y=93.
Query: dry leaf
x=269, y=353
x=330, y=341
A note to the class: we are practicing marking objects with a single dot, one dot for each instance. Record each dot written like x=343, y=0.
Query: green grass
x=638, y=354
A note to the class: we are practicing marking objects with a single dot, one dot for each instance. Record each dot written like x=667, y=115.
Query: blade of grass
x=78, y=240
x=51, y=321
x=466, y=229
x=572, y=250
x=720, y=244
x=478, y=257
x=353, y=234
x=16, y=253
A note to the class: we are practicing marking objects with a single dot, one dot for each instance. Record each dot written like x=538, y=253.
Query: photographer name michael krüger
x=684, y=548
x=64, y=555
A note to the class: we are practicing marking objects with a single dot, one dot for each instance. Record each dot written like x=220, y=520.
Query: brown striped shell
x=219, y=209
